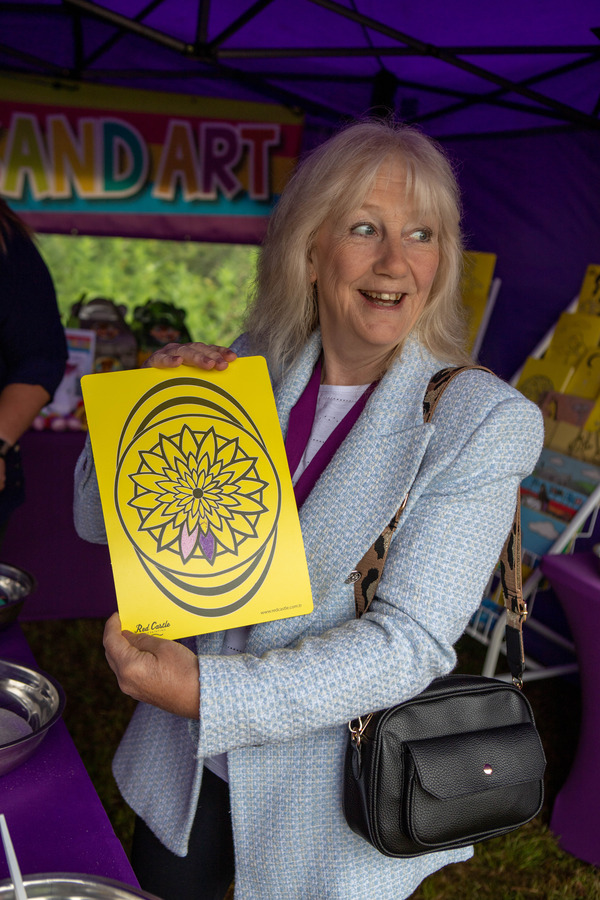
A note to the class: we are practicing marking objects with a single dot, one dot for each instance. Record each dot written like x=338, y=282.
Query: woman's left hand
x=203, y=356
x=161, y=672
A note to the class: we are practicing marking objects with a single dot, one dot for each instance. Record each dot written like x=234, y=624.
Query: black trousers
x=207, y=871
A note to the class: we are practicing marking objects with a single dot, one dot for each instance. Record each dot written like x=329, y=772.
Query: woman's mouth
x=382, y=298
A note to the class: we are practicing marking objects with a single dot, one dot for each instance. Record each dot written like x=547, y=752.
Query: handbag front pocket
x=461, y=788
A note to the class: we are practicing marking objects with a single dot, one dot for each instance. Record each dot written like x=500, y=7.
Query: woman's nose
x=392, y=259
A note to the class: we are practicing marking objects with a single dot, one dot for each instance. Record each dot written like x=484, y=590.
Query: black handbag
x=462, y=761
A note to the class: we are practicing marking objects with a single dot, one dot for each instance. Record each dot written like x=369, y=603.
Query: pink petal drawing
x=187, y=541
x=208, y=545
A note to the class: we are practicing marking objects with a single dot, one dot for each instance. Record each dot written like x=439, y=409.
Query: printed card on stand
x=585, y=381
x=578, y=475
x=567, y=408
x=555, y=499
x=539, y=530
x=575, y=334
x=541, y=376
x=475, y=288
x=566, y=438
x=200, y=514
x=589, y=295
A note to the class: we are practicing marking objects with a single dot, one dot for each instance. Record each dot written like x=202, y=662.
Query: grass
x=525, y=865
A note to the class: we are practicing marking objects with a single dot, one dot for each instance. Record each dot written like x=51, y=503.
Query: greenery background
x=212, y=282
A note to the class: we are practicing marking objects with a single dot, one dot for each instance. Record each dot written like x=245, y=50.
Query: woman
x=33, y=349
x=357, y=287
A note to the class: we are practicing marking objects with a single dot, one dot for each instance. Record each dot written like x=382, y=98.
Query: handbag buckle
x=516, y=618
x=358, y=730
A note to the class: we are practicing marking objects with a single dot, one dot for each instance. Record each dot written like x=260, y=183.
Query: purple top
x=299, y=428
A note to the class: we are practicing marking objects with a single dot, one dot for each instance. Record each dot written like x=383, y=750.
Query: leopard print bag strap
x=367, y=573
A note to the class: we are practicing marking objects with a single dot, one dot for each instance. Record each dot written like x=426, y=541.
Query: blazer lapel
x=364, y=484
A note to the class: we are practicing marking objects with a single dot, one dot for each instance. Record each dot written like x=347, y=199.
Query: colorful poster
x=65, y=411
x=200, y=514
x=79, y=158
x=577, y=475
x=547, y=497
x=539, y=530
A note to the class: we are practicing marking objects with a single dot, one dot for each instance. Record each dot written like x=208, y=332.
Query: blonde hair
x=332, y=180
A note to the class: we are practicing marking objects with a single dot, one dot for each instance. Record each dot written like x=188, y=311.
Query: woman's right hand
x=154, y=670
x=203, y=356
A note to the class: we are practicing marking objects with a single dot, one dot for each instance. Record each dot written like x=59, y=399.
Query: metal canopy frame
x=215, y=58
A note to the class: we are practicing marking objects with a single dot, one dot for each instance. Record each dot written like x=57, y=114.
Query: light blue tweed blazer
x=280, y=710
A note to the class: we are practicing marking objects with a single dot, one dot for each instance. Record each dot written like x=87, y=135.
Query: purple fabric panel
x=74, y=577
x=576, y=814
x=56, y=820
x=532, y=200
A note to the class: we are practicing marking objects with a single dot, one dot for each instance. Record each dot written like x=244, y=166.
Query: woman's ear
x=312, y=272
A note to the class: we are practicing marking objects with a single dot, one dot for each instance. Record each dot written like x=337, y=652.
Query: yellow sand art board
x=200, y=515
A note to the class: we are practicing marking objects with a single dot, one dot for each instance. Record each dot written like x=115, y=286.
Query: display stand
x=488, y=625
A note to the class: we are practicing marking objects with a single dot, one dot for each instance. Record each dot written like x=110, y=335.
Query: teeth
x=380, y=295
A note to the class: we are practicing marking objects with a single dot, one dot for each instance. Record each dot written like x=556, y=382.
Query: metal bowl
x=61, y=886
x=38, y=702
x=15, y=585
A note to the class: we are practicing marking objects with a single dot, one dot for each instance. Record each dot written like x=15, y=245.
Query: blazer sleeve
x=448, y=542
x=87, y=508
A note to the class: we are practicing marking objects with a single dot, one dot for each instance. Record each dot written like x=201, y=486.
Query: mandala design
x=198, y=492
x=197, y=496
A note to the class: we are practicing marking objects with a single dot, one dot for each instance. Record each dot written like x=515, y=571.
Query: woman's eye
x=423, y=235
x=364, y=228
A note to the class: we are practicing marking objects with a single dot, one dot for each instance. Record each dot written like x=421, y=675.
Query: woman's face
x=374, y=269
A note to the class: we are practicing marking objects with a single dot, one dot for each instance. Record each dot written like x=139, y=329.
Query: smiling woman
x=372, y=272
x=356, y=309
x=367, y=185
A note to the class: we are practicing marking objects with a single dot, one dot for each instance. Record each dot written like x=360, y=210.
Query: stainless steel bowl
x=37, y=699
x=15, y=585
x=61, y=886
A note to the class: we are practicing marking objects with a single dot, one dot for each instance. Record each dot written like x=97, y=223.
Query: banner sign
x=94, y=160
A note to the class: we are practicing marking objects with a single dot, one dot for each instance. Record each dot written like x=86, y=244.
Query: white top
x=333, y=402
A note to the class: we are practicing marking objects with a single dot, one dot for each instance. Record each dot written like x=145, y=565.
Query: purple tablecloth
x=576, y=813
x=74, y=577
x=56, y=820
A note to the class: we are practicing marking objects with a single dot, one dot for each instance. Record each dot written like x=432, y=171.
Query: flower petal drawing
x=207, y=545
x=198, y=494
x=187, y=541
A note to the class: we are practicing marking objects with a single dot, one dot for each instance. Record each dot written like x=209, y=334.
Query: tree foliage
x=211, y=282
